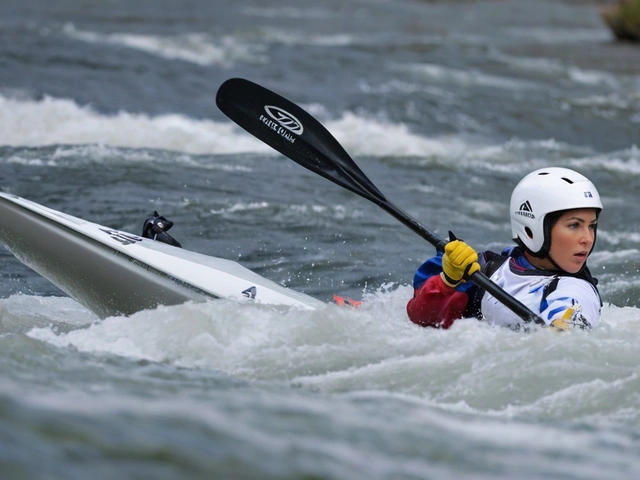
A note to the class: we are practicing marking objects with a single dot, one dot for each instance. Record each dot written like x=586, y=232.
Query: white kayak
x=118, y=273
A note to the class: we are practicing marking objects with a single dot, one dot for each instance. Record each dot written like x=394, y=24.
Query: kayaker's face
x=572, y=238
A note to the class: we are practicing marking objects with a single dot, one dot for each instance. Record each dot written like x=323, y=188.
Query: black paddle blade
x=290, y=130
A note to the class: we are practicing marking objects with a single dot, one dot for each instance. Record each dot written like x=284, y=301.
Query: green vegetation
x=623, y=18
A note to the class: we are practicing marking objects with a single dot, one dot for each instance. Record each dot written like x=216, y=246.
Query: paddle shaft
x=478, y=278
x=293, y=132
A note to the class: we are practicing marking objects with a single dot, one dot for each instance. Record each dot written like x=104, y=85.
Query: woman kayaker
x=554, y=217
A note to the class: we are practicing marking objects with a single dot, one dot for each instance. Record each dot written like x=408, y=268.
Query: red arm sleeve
x=436, y=305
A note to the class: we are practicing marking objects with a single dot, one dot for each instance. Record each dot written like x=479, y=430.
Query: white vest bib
x=571, y=292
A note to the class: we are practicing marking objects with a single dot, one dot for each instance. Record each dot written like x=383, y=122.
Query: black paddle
x=293, y=132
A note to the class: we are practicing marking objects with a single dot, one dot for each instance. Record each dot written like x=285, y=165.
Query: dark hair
x=549, y=221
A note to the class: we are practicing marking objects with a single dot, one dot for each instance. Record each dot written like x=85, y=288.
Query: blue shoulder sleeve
x=428, y=269
x=431, y=267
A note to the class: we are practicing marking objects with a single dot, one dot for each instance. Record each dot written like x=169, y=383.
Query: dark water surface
x=107, y=112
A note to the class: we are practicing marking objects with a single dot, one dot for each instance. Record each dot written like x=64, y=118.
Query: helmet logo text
x=525, y=210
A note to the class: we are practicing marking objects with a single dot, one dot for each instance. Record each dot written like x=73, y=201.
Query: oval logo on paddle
x=285, y=119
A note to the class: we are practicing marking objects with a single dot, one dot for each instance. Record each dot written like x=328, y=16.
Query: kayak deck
x=117, y=273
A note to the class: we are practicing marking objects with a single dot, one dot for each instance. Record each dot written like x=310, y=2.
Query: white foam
x=198, y=48
x=53, y=121
x=592, y=77
x=440, y=73
x=26, y=311
x=375, y=137
x=264, y=341
x=286, y=12
x=305, y=38
x=472, y=367
x=555, y=36
x=296, y=211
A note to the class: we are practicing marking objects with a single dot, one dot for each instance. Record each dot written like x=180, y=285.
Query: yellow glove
x=459, y=262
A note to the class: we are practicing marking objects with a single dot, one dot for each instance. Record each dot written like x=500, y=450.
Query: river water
x=107, y=112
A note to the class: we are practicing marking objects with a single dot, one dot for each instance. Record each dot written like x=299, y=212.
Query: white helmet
x=542, y=192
